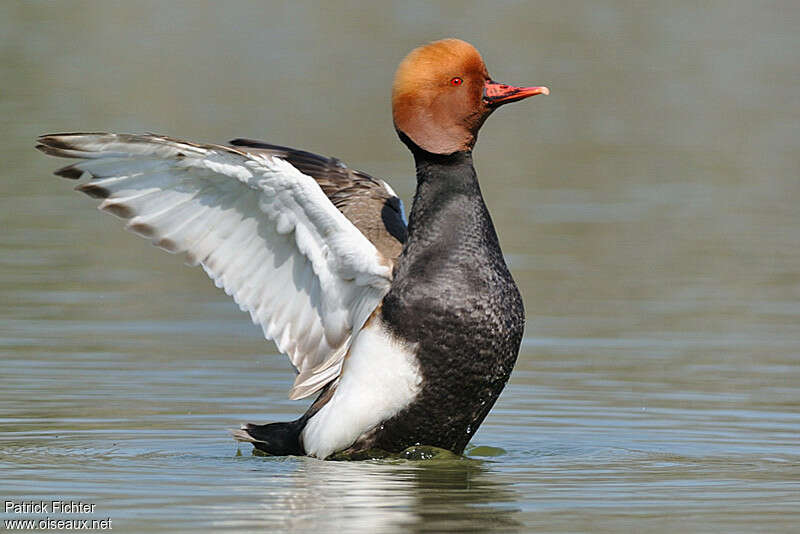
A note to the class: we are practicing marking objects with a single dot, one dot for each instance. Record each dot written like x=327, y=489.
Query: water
x=648, y=209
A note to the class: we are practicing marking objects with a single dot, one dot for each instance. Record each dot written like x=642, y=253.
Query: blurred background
x=648, y=209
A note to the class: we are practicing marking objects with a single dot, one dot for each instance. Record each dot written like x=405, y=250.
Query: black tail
x=279, y=439
x=283, y=439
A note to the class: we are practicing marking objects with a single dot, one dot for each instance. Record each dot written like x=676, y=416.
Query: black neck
x=450, y=232
x=441, y=181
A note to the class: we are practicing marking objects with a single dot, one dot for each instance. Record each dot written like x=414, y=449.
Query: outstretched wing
x=370, y=204
x=263, y=231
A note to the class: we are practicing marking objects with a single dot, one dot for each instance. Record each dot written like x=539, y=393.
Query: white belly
x=380, y=377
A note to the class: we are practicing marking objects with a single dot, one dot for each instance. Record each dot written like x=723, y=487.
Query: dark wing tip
x=59, y=144
x=70, y=172
x=124, y=212
x=243, y=141
x=239, y=141
x=62, y=140
x=43, y=148
x=50, y=148
x=93, y=190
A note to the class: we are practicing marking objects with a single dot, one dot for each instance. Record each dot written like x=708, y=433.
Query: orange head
x=442, y=93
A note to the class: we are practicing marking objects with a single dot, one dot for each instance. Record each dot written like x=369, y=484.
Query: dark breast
x=454, y=297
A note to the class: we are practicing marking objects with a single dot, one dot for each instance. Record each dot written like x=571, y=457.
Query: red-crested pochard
x=407, y=333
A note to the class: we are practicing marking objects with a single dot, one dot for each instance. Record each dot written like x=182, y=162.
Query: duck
x=405, y=331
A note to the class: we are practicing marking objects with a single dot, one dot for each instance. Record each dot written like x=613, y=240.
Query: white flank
x=380, y=377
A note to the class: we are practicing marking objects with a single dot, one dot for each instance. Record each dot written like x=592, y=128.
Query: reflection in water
x=383, y=496
x=463, y=497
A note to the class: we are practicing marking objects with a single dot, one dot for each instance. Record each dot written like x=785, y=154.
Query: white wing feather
x=261, y=229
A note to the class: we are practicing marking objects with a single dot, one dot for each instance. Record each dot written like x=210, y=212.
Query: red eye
x=456, y=81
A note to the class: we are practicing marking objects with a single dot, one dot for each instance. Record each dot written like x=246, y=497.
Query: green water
x=648, y=209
